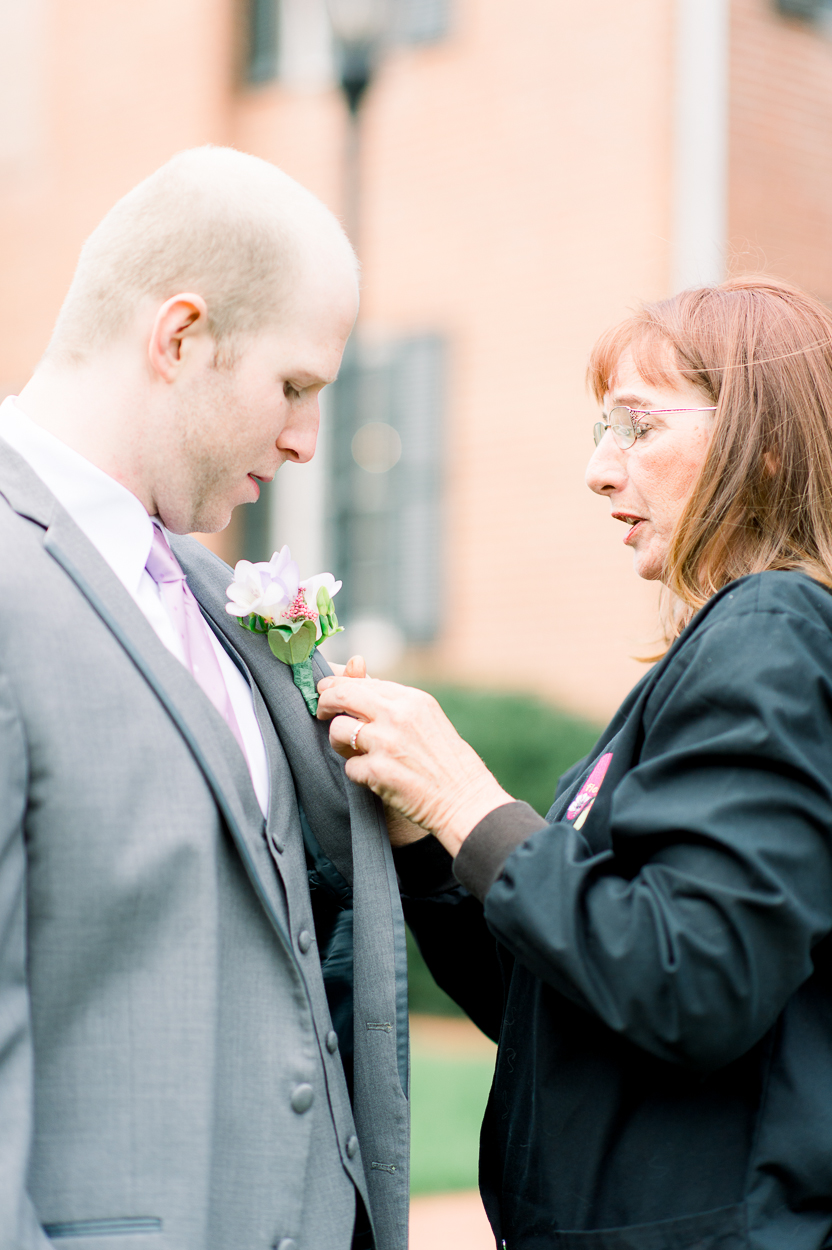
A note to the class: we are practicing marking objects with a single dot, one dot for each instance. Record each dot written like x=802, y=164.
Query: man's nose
x=607, y=468
x=298, y=438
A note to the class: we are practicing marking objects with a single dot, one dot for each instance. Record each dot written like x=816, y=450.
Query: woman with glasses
x=655, y=956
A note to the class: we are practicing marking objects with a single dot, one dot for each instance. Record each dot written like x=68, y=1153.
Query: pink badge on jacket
x=580, y=807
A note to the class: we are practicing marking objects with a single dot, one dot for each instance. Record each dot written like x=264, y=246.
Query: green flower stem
x=304, y=679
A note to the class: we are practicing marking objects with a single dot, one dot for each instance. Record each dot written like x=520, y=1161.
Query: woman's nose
x=607, y=468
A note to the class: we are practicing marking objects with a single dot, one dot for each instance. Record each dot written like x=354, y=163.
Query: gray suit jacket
x=167, y=1075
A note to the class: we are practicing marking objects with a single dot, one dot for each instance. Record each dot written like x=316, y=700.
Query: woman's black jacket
x=655, y=958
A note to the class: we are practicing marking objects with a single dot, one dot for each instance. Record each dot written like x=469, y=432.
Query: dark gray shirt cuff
x=489, y=844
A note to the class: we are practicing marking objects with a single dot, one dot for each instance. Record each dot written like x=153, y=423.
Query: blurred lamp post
x=359, y=27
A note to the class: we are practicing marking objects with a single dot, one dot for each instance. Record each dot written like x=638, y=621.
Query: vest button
x=279, y=847
x=304, y=940
x=352, y=1147
x=332, y=1041
x=302, y=1096
x=287, y=1243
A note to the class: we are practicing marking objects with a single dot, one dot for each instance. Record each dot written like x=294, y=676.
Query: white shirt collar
x=111, y=517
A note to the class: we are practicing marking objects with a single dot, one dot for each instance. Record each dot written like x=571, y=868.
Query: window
x=809, y=10
x=263, y=37
x=384, y=485
x=291, y=39
x=420, y=21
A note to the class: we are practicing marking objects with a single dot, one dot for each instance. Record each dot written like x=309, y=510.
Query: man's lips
x=633, y=521
x=257, y=478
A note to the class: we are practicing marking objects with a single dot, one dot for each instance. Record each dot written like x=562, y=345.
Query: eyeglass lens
x=621, y=423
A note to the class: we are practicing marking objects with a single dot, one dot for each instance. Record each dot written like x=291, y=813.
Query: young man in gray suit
x=170, y=1077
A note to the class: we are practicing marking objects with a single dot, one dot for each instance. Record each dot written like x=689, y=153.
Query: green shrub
x=448, y=1096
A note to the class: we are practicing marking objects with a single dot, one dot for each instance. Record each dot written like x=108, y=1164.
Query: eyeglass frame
x=600, y=428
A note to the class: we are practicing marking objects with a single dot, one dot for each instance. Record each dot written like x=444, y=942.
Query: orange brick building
x=528, y=173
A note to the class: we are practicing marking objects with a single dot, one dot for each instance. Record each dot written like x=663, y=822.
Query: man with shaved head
x=182, y=863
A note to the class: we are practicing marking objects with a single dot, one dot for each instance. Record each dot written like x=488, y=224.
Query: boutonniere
x=269, y=598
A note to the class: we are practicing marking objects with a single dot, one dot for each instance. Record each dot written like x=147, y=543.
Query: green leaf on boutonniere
x=293, y=642
x=326, y=612
x=289, y=628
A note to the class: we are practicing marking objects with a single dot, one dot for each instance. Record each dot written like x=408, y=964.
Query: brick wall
x=781, y=147
x=517, y=184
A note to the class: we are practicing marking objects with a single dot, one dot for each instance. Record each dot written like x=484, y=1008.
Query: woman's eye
x=641, y=429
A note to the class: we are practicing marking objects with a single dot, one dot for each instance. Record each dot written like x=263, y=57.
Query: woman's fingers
x=355, y=697
x=354, y=667
x=346, y=734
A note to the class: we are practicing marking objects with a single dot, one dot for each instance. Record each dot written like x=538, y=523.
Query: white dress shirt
x=118, y=526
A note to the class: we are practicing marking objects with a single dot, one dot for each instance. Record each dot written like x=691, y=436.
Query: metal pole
x=352, y=179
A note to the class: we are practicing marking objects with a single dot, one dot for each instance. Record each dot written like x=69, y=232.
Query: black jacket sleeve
x=695, y=923
x=450, y=931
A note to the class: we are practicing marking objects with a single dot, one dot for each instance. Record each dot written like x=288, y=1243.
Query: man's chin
x=211, y=523
x=211, y=515
x=205, y=520
x=207, y=514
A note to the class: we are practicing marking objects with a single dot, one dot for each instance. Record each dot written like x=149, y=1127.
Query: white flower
x=265, y=588
x=310, y=589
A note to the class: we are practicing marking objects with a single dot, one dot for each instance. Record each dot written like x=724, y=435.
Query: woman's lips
x=634, y=522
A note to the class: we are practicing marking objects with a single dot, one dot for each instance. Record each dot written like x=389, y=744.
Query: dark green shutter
x=263, y=37
x=385, y=529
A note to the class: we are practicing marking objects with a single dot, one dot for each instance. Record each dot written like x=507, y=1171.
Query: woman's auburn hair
x=761, y=351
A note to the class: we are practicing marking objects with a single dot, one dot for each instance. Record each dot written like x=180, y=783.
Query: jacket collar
x=24, y=490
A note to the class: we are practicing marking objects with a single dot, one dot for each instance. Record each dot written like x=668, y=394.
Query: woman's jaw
x=648, y=547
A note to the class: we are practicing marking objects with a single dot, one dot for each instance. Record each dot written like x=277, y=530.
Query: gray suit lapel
x=317, y=771
x=207, y=735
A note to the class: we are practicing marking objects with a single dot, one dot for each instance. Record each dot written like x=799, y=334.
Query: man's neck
x=93, y=409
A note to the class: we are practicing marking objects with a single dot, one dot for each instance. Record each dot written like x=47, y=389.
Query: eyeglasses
x=625, y=428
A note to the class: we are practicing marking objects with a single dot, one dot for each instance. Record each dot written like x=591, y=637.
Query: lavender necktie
x=183, y=610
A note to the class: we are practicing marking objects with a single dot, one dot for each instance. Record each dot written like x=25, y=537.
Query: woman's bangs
x=653, y=356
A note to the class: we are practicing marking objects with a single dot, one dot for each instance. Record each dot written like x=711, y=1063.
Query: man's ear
x=181, y=317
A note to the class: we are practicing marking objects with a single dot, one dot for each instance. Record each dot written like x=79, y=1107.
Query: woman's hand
x=409, y=754
x=400, y=830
